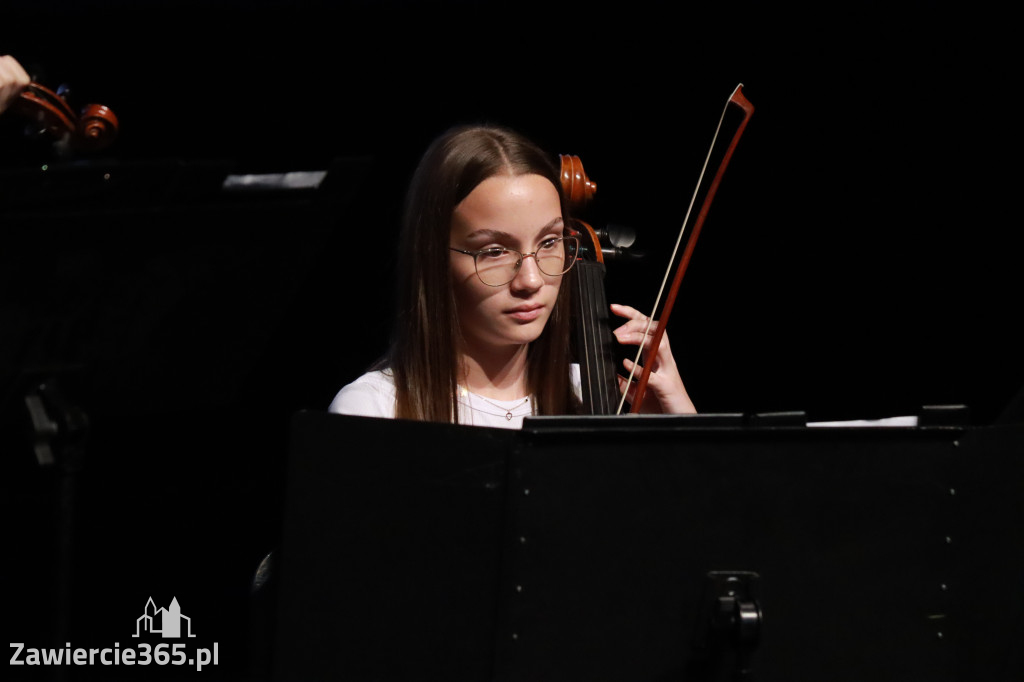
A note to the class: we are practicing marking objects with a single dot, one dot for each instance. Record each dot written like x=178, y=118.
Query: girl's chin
x=505, y=333
x=527, y=332
x=521, y=335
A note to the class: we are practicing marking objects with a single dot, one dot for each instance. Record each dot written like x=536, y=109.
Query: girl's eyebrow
x=501, y=234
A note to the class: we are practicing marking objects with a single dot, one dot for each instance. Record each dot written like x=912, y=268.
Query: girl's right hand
x=13, y=80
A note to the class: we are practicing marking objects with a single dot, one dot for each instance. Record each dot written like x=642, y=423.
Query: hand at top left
x=13, y=79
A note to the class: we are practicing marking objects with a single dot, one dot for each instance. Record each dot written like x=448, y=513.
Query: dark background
x=859, y=261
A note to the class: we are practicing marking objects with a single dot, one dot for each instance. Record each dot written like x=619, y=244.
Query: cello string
x=675, y=250
x=595, y=348
x=601, y=333
x=586, y=381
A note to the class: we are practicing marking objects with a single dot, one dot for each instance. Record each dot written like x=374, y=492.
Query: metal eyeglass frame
x=519, y=262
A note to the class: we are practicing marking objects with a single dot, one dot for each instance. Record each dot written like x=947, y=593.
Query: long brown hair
x=423, y=356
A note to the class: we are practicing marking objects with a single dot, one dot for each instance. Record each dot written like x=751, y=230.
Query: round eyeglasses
x=497, y=266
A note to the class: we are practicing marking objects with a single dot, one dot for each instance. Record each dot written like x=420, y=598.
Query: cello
x=92, y=129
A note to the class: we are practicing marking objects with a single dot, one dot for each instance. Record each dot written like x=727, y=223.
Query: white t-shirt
x=373, y=395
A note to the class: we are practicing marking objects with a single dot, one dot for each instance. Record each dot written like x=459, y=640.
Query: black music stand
x=640, y=548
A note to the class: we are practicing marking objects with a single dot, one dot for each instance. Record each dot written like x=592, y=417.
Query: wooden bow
x=736, y=99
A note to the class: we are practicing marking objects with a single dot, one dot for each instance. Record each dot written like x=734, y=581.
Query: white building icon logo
x=167, y=621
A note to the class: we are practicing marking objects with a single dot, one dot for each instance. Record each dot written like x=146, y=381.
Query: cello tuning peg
x=620, y=235
x=621, y=255
x=616, y=242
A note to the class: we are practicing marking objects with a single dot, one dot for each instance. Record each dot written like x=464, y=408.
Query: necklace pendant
x=508, y=416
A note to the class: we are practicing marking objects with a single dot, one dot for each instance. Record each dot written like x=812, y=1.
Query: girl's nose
x=529, y=276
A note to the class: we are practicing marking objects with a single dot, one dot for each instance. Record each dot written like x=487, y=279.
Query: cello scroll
x=93, y=129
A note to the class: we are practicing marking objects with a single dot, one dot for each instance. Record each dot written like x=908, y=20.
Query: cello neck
x=592, y=336
x=593, y=342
